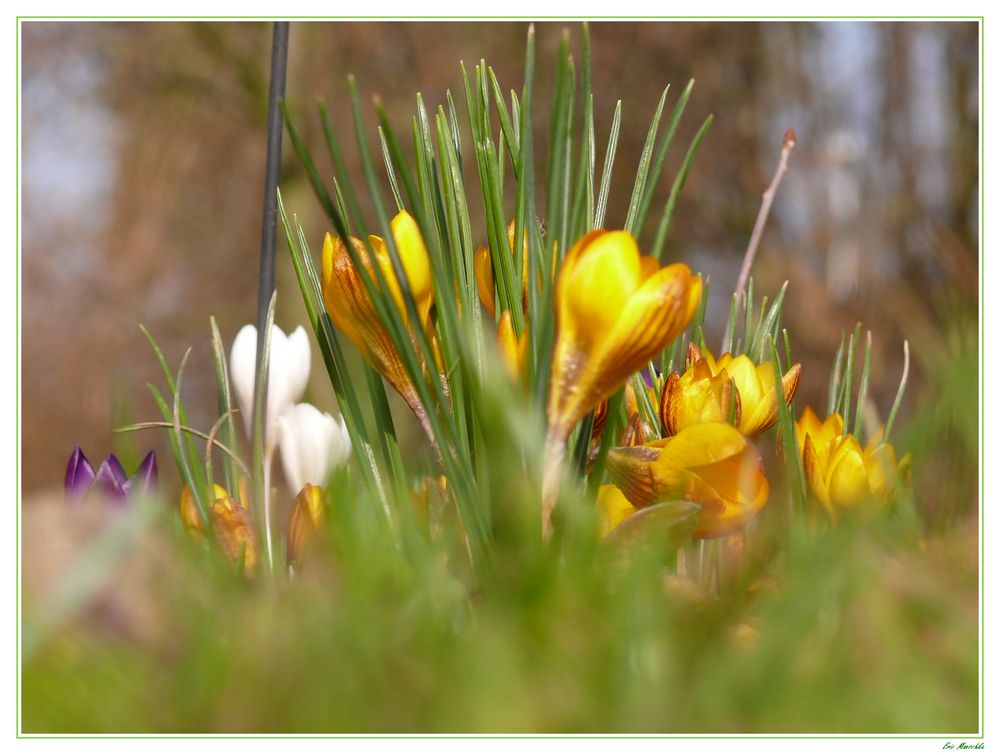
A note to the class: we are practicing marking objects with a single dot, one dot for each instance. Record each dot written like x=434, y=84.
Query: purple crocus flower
x=146, y=477
x=110, y=478
x=79, y=475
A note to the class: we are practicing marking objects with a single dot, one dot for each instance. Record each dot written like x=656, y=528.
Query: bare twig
x=787, y=145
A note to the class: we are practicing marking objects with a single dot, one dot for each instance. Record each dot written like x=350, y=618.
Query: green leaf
x=675, y=189
x=642, y=173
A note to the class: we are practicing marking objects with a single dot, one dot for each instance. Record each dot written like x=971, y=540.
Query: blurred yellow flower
x=615, y=311
x=189, y=509
x=483, y=268
x=482, y=265
x=308, y=517
x=235, y=531
x=705, y=393
x=838, y=471
x=353, y=312
x=711, y=464
x=512, y=348
x=231, y=523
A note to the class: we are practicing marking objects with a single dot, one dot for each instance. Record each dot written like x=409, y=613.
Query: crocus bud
x=308, y=516
x=354, y=312
x=146, y=477
x=235, y=533
x=111, y=479
x=79, y=475
x=288, y=372
x=312, y=444
x=615, y=310
x=189, y=513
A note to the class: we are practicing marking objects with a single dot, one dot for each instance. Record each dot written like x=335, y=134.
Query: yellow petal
x=703, y=444
x=744, y=374
x=848, y=478
x=710, y=464
x=654, y=315
x=352, y=311
x=814, y=471
x=599, y=275
x=416, y=263
x=308, y=517
x=764, y=413
x=512, y=348
x=613, y=508
x=696, y=397
x=483, y=267
x=189, y=514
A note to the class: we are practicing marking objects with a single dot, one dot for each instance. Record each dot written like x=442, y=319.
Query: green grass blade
x=866, y=368
x=642, y=173
x=675, y=189
x=318, y=185
x=226, y=410
x=899, y=393
x=609, y=164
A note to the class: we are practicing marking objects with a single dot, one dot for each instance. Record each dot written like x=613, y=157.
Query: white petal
x=312, y=444
x=242, y=363
x=299, y=361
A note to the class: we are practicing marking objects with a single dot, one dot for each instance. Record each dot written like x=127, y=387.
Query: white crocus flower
x=312, y=444
x=288, y=373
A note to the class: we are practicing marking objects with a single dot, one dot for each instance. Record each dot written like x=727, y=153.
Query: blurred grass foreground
x=432, y=605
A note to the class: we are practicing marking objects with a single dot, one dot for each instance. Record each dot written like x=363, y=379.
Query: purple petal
x=117, y=469
x=79, y=475
x=110, y=479
x=146, y=476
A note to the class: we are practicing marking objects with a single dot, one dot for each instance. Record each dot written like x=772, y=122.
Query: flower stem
x=268, y=458
x=555, y=453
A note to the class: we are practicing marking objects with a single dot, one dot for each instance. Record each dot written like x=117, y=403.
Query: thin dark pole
x=279, y=66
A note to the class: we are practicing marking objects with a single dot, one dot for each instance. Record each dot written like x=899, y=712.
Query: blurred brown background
x=142, y=171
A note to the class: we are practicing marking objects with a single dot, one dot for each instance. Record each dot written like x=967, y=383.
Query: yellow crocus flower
x=353, y=312
x=839, y=472
x=698, y=396
x=615, y=311
x=704, y=393
x=711, y=464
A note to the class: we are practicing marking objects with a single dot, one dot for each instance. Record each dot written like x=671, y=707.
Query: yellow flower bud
x=189, y=511
x=512, y=348
x=615, y=311
x=308, y=517
x=353, y=312
x=234, y=530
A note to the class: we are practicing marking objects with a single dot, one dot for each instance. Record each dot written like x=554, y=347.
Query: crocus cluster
x=311, y=443
x=110, y=479
x=615, y=311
